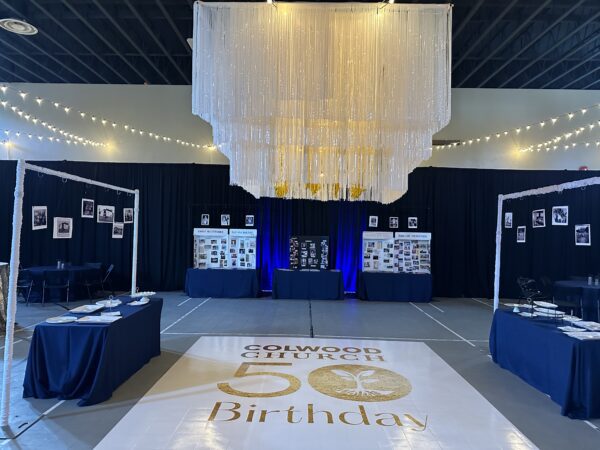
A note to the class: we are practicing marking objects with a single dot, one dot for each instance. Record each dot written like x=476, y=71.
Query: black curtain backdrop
x=457, y=205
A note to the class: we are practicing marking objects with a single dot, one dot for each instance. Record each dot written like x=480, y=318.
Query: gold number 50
x=242, y=372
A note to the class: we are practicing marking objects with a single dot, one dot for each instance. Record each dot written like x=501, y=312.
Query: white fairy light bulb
x=542, y=124
x=3, y=103
x=114, y=125
x=22, y=94
x=93, y=118
x=518, y=130
x=3, y=89
x=104, y=122
x=583, y=111
x=39, y=100
x=56, y=105
x=82, y=114
x=554, y=119
x=570, y=115
x=67, y=109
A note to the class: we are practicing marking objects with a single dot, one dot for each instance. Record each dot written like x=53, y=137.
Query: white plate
x=143, y=294
x=141, y=302
x=86, y=309
x=98, y=319
x=61, y=319
x=592, y=326
x=527, y=314
x=544, y=314
x=571, y=318
x=111, y=313
x=552, y=312
x=109, y=303
x=545, y=304
x=570, y=329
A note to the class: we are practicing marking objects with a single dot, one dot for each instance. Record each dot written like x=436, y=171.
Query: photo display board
x=378, y=251
x=309, y=252
x=242, y=248
x=413, y=252
x=211, y=248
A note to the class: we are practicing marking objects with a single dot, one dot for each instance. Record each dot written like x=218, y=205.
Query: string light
x=565, y=136
x=93, y=118
x=518, y=131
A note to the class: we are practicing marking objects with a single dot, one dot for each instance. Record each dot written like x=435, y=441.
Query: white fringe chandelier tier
x=323, y=101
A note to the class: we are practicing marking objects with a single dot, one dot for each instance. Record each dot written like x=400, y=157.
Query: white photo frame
x=105, y=214
x=225, y=220
x=118, y=229
x=538, y=218
x=521, y=234
x=508, y=220
x=39, y=217
x=63, y=228
x=87, y=208
x=249, y=220
x=394, y=222
x=127, y=215
x=205, y=220
x=413, y=222
x=583, y=235
x=560, y=215
x=373, y=221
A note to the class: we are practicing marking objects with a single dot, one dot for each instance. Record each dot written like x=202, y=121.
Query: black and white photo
x=394, y=222
x=128, y=215
x=205, y=220
x=521, y=234
x=249, y=221
x=118, y=230
x=413, y=222
x=583, y=234
x=508, y=217
x=560, y=215
x=538, y=218
x=87, y=208
x=39, y=217
x=63, y=228
x=225, y=220
x=106, y=214
x=373, y=221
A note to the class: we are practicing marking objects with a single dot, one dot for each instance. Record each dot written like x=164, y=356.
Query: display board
x=309, y=252
x=378, y=251
x=413, y=252
x=242, y=248
x=211, y=248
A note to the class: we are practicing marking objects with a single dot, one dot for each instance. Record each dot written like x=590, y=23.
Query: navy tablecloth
x=222, y=283
x=396, y=287
x=575, y=291
x=308, y=285
x=89, y=361
x=566, y=369
x=77, y=274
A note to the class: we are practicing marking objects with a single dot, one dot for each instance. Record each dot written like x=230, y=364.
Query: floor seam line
x=446, y=327
x=185, y=315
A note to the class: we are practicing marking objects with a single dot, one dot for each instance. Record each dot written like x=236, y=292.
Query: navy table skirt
x=566, y=369
x=579, y=292
x=89, y=361
x=222, y=283
x=77, y=274
x=308, y=285
x=394, y=287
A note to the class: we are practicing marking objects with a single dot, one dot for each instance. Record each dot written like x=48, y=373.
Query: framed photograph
x=413, y=222
x=249, y=221
x=205, y=220
x=521, y=231
x=63, y=228
x=538, y=218
x=373, y=221
x=583, y=234
x=39, y=217
x=127, y=215
x=118, y=229
x=560, y=215
x=507, y=220
x=87, y=208
x=225, y=220
x=106, y=214
x=394, y=222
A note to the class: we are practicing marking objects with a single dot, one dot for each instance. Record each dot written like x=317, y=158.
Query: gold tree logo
x=359, y=383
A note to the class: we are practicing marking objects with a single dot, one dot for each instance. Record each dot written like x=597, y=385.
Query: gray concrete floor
x=456, y=329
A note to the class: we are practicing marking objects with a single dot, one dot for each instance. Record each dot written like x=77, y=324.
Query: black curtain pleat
x=457, y=205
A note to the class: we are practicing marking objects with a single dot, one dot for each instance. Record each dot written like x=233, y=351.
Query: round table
x=76, y=274
x=589, y=294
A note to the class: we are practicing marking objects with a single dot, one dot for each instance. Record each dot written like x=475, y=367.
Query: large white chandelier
x=324, y=101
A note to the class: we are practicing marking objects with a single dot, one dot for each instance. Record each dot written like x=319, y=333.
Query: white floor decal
x=298, y=393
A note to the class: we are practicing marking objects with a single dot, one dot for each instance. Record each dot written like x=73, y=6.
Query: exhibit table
x=77, y=274
x=565, y=368
x=579, y=290
x=222, y=283
x=394, y=287
x=308, y=284
x=89, y=361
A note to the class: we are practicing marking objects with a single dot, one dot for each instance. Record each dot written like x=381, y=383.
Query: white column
x=12, y=292
x=498, y=250
x=136, y=218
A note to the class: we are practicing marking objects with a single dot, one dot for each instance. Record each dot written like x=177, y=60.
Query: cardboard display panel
x=242, y=248
x=378, y=251
x=413, y=252
x=211, y=247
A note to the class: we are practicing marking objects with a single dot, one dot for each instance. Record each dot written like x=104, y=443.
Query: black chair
x=57, y=280
x=25, y=284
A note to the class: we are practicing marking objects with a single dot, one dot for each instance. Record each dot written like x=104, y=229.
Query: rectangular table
x=308, y=284
x=394, y=287
x=222, y=283
x=566, y=369
x=89, y=361
x=580, y=294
